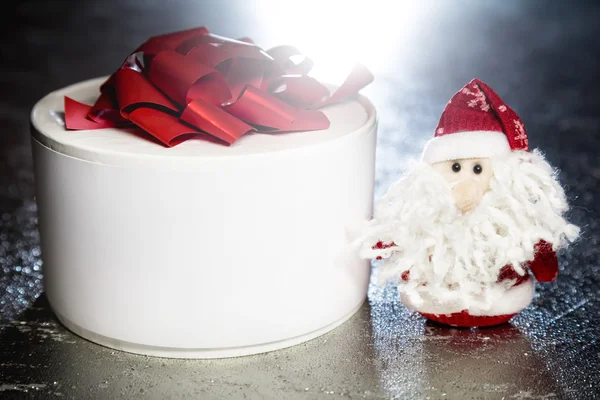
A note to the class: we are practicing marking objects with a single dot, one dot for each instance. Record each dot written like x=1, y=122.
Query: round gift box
x=202, y=250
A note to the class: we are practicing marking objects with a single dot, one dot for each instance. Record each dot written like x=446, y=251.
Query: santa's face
x=470, y=179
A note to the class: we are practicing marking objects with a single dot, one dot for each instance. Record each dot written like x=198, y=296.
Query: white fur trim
x=510, y=301
x=475, y=144
x=514, y=300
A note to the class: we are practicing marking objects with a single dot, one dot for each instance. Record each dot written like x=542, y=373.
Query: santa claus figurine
x=466, y=226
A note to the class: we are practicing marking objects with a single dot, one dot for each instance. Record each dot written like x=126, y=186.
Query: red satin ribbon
x=191, y=83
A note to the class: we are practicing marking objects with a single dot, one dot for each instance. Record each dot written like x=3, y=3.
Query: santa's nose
x=467, y=194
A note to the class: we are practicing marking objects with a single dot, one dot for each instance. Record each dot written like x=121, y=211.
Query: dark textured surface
x=540, y=56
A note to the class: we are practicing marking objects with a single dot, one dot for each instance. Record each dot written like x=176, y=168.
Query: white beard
x=455, y=258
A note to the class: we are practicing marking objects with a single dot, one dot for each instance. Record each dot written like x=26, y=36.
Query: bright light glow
x=337, y=33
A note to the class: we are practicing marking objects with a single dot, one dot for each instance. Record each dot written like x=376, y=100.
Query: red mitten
x=508, y=273
x=545, y=263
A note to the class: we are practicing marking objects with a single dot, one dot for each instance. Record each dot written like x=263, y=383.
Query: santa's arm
x=545, y=263
x=381, y=246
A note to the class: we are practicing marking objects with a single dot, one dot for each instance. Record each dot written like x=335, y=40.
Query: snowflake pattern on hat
x=521, y=135
x=479, y=98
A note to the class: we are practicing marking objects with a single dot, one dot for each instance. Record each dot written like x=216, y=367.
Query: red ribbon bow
x=186, y=83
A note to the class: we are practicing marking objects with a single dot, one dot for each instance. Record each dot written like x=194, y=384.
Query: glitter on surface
x=542, y=61
x=20, y=258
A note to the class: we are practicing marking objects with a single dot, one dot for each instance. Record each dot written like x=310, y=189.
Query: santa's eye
x=456, y=167
x=477, y=169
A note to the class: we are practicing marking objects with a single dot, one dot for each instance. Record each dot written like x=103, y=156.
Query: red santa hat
x=475, y=124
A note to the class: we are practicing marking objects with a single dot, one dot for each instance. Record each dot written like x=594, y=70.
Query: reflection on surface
x=384, y=351
x=65, y=365
x=415, y=358
x=539, y=354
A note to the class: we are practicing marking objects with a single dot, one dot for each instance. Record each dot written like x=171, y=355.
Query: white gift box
x=202, y=250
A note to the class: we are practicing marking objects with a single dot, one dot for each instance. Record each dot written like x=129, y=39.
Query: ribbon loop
x=174, y=74
x=299, y=90
x=133, y=90
x=268, y=112
x=214, y=121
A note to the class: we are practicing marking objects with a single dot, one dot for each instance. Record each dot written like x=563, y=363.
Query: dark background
x=540, y=56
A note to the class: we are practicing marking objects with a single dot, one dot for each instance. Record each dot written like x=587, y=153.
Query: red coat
x=544, y=265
